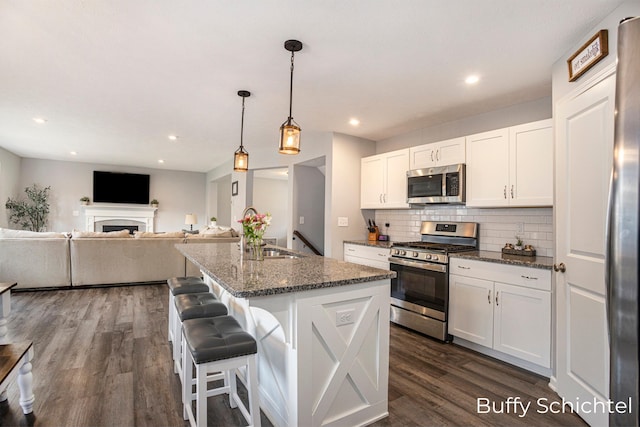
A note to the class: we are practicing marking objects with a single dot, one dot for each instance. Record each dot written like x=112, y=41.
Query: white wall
x=272, y=196
x=560, y=73
x=178, y=192
x=309, y=202
x=222, y=209
x=9, y=182
x=343, y=196
x=514, y=115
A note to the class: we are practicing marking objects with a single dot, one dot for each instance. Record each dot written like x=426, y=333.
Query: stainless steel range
x=420, y=292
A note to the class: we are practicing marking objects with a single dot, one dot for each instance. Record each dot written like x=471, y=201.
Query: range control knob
x=434, y=258
x=428, y=256
x=403, y=252
x=415, y=254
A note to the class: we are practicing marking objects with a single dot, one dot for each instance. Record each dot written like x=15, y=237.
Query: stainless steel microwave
x=441, y=184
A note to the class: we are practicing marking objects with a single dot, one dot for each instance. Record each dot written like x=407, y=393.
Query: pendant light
x=241, y=157
x=290, y=131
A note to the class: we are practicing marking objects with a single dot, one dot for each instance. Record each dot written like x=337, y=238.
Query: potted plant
x=518, y=243
x=213, y=222
x=30, y=214
x=154, y=203
x=84, y=200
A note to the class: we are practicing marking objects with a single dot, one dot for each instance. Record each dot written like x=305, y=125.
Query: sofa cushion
x=145, y=234
x=6, y=233
x=83, y=234
x=215, y=231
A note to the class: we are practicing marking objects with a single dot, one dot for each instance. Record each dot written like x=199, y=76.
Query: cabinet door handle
x=384, y=255
x=384, y=197
x=505, y=192
x=497, y=293
x=438, y=154
x=464, y=268
x=529, y=277
x=380, y=197
x=489, y=296
x=432, y=155
x=350, y=250
x=512, y=191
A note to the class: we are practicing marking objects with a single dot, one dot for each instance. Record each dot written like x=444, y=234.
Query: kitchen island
x=322, y=328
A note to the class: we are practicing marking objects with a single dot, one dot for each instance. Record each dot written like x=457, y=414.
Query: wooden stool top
x=4, y=287
x=10, y=355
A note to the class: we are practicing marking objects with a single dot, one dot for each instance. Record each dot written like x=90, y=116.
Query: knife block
x=373, y=236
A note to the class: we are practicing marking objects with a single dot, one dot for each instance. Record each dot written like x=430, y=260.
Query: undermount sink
x=271, y=253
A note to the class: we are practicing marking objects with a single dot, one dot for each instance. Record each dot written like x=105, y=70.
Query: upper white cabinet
x=511, y=166
x=383, y=183
x=443, y=153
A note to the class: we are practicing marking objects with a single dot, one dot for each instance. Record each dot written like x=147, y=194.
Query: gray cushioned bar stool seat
x=214, y=344
x=179, y=286
x=192, y=306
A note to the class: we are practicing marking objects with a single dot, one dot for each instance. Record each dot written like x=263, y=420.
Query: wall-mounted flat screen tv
x=118, y=187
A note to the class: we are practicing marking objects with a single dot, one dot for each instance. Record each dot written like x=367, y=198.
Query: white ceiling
x=114, y=78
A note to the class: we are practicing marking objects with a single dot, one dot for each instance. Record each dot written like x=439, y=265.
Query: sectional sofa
x=52, y=260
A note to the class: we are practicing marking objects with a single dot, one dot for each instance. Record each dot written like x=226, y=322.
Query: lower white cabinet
x=371, y=256
x=503, y=307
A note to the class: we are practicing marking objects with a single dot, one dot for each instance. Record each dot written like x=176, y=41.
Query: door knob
x=560, y=267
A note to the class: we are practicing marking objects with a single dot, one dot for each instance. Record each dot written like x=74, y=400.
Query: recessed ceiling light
x=160, y=161
x=173, y=137
x=39, y=120
x=354, y=122
x=73, y=153
x=472, y=79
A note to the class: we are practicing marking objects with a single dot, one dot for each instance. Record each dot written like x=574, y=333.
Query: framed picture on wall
x=234, y=188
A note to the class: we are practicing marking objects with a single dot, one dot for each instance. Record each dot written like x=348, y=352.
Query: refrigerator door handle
x=607, y=256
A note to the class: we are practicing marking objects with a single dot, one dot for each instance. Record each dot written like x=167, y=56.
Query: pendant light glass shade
x=290, y=131
x=289, y=138
x=241, y=157
x=240, y=160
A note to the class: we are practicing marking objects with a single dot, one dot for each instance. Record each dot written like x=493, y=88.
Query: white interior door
x=584, y=149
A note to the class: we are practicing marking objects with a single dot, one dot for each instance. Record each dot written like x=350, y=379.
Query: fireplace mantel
x=95, y=213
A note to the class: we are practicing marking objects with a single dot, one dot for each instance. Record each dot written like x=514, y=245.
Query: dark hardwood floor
x=102, y=359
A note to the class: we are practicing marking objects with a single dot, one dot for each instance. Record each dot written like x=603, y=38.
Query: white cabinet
x=443, y=153
x=372, y=256
x=383, y=180
x=503, y=307
x=511, y=166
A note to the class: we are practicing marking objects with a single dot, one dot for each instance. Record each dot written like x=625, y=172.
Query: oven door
x=420, y=287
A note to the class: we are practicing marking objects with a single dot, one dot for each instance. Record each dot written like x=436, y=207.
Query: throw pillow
x=147, y=234
x=83, y=234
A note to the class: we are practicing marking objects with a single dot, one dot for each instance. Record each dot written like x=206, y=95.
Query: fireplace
x=131, y=228
x=116, y=215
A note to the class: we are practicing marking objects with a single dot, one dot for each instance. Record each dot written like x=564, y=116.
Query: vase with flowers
x=253, y=228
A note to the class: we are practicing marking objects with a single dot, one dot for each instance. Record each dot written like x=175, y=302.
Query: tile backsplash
x=497, y=226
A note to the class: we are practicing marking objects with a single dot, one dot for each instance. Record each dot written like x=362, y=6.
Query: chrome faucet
x=249, y=209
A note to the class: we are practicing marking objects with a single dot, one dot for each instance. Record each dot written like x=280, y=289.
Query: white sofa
x=35, y=262
x=88, y=259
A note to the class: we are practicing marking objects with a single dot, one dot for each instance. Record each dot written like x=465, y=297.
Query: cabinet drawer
x=380, y=254
x=529, y=277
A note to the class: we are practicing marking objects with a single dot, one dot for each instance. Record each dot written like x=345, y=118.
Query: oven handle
x=441, y=268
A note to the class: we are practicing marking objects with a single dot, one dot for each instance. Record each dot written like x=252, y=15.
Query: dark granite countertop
x=376, y=243
x=542, y=262
x=245, y=278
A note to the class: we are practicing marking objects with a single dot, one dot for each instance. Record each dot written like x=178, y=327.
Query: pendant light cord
x=242, y=124
x=291, y=89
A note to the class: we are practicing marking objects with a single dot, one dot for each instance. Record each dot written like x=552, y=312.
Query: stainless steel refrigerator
x=623, y=237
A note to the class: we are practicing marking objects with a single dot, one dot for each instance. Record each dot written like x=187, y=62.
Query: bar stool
x=179, y=286
x=215, y=344
x=192, y=306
